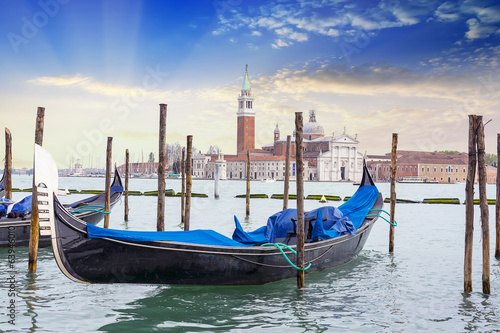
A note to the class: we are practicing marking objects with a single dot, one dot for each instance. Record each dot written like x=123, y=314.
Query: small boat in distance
x=417, y=180
x=89, y=254
x=267, y=180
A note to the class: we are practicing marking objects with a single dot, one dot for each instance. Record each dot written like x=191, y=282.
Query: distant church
x=327, y=158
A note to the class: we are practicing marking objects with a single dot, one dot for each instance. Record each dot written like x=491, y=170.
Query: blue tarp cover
x=345, y=219
x=21, y=206
x=202, y=237
x=342, y=220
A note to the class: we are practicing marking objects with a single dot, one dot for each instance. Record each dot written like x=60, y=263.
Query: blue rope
x=278, y=245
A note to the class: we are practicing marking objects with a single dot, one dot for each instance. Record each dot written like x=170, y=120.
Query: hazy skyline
x=101, y=68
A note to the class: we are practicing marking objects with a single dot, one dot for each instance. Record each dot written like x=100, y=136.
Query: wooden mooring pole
x=393, y=191
x=287, y=172
x=483, y=203
x=127, y=165
x=34, y=227
x=248, y=184
x=162, y=162
x=107, y=190
x=300, y=199
x=189, y=182
x=469, y=204
x=183, y=185
x=8, y=164
x=497, y=204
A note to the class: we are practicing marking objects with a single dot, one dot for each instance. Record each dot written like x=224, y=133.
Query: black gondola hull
x=162, y=262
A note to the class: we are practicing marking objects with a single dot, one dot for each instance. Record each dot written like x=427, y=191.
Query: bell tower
x=246, y=117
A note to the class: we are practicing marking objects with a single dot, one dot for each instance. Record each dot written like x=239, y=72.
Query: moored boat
x=91, y=210
x=90, y=254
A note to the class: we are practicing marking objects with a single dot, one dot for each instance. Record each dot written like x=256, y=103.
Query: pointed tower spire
x=246, y=83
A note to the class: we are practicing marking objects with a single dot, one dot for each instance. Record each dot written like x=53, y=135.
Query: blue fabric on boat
x=116, y=188
x=254, y=237
x=356, y=208
x=201, y=237
x=345, y=219
x=4, y=205
x=22, y=206
x=335, y=225
x=280, y=223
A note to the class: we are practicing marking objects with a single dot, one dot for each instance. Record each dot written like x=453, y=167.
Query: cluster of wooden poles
x=477, y=161
x=476, y=158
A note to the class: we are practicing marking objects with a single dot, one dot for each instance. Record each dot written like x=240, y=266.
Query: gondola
x=91, y=210
x=90, y=254
x=2, y=185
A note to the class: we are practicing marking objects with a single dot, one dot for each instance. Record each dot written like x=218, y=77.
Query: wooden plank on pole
x=300, y=198
x=287, y=172
x=248, y=184
x=162, y=162
x=183, y=185
x=8, y=164
x=393, y=191
x=127, y=165
x=469, y=204
x=34, y=226
x=497, y=204
x=189, y=182
x=483, y=203
x=107, y=190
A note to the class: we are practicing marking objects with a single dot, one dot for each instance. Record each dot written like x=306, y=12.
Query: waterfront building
x=425, y=166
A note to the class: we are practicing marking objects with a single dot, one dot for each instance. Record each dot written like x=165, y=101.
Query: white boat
x=267, y=180
x=419, y=180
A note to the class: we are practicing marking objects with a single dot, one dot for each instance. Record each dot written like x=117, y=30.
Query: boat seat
x=291, y=236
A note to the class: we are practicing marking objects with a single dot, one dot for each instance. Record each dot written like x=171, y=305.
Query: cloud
x=294, y=21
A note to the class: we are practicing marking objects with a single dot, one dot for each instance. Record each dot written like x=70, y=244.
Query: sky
x=101, y=68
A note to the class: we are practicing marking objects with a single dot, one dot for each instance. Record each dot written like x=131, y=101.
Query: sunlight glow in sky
x=101, y=68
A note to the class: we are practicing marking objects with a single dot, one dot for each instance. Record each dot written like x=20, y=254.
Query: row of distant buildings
x=421, y=166
x=326, y=158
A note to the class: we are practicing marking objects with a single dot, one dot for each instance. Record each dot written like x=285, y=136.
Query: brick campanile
x=246, y=117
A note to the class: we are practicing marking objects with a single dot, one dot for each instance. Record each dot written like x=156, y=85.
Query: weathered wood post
x=483, y=203
x=189, y=181
x=393, y=191
x=162, y=162
x=469, y=204
x=8, y=164
x=34, y=227
x=183, y=185
x=287, y=172
x=497, y=204
x=216, y=180
x=127, y=171
x=107, y=190
x=248, y=184
x=300, y=198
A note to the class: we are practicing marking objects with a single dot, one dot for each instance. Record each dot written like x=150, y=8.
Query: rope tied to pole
x=377, y=215
x=279, y=247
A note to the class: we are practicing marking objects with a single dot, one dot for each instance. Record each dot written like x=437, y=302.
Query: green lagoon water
x=419, y=288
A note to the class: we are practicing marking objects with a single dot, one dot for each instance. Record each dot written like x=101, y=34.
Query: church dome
x=313, y=127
